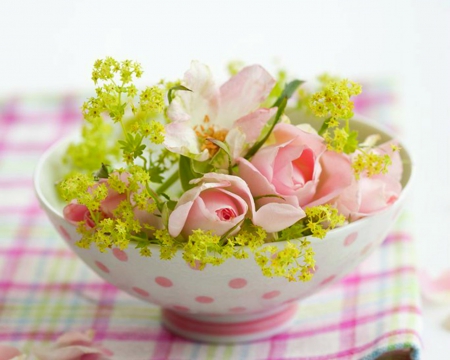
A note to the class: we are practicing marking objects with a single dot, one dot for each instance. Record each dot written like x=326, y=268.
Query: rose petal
x=284, y=133
x=274, y=217
x=8, y=352
x=74, y=212
x=180, y=138
x=293, y=167
x=75, y=352
x=75, y=338
x=378, y=193
x=349, y=201
x=202, y=100
x=257, y=182
x=111, y=202
x=336, y=176
x=243, y=94
x=253, y=123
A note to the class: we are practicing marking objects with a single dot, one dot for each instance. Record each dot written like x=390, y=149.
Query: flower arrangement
x=221, y=171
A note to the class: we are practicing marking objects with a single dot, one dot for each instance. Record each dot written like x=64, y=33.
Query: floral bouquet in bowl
x=186, y=185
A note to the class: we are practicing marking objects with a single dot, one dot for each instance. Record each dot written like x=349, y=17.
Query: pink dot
x=328, y=279
x=140, y=291
x=120, y=255
x=238, y=309
x=313, y=270
x=163, y=281
x=366, y=249
x=350, y=239
x=64, y=233
x=180, y=308
x=289, y=301
x=102, y=266
x=237, y=283
x=204, y=299
x=271, y=294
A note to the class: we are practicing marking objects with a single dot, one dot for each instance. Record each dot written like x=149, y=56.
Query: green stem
x=137, y=238
x=324, y=126
x=145, y=161
x=155, y=197
x=168, y=183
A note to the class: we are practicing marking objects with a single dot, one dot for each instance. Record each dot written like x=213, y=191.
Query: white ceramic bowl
x=231, y=302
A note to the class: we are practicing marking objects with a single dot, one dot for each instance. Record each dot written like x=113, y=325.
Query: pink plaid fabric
x=45, y=290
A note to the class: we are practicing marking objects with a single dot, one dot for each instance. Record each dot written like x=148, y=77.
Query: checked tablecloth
x=46, y=290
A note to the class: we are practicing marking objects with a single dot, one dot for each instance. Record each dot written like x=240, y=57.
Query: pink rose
x=369, y=195
x=221, y=202
x=297, y=168
x=75, y=212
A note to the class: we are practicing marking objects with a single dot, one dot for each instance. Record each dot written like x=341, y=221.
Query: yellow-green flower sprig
x=81, y=187
x=371, y=164
x=318, y=221
x=295, y=262
x=322, y=218
x=333, y=100
x=94, y=148
x=115, y=99
x=123, y=226
x=333, y=103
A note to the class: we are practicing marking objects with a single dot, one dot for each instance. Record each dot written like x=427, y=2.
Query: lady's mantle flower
x=227, y=113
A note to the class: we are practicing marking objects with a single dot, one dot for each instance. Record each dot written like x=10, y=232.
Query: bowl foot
x=230, y=328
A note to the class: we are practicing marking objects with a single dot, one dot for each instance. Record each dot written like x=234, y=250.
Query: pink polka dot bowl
x=232, y=302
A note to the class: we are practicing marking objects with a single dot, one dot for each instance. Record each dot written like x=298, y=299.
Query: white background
x=50, y=45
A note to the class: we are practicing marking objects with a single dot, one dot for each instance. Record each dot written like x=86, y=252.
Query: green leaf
x=155, y=172
x=133, y=145
x=102, y=173
x=201, y=167
x=223, y=146
x=167, y=209
x=288, y=91
x=187, y=173
x=170, y=93
x=352, y=142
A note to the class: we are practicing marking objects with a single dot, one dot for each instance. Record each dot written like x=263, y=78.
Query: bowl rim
x=348, y=227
